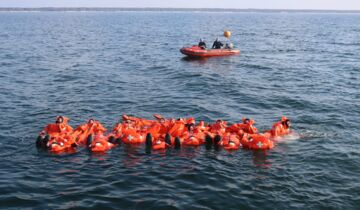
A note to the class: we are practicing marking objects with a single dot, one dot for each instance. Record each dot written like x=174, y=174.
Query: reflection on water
x=260, y=158
x=199, y=60
x=219, y=64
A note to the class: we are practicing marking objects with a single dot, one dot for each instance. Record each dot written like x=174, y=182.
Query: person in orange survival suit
x=174, y=136
x=246, y=126
x=201, y=127
x=125, y=131
x=97, y=141
x=157, y=137
x=131, y=133
x=215, y=132
x=194, y=135
x=82, y=132
x=58, y=128
x=178, y=128
x=139, y=123
x=229, y=140
x=181, y=127
x=280, y=128
x=125, y=122
x=101, y=143
x=218, y=128
x=51, y=132
x=117, y=131
x=166, y=124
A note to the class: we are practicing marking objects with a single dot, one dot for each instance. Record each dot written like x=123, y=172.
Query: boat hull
x=199, y=52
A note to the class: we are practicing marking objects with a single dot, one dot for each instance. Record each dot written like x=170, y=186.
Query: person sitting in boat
x=202, y=44
x=229, y=46
x=217, y=44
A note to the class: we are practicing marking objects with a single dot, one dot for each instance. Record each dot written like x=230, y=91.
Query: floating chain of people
x=159, y=134
x=218, y=48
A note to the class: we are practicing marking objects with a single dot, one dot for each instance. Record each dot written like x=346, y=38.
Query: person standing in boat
x=202, y=44
x=217, y=44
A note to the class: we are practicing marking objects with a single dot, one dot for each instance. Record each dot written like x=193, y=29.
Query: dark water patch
x=346, y=43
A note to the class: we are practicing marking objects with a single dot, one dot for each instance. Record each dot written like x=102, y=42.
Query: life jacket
x=200, y=127
x=82, y=132
x=117, y=131
x=230, y=142
x=232, y=146
x=132, y=136
x=164, y=126
x=100, y=143
x=193, y=138
x=159, y=117
x=177, y=129
x=61, y=143
x=58, y=146
x=56, y=129
x=155, y=130
x=247, y=127
x=278, y=129
x=139, y=123
x=218, y=128
x=158, y=145
x=257, y=142
x=98, y=128
x=191, y=120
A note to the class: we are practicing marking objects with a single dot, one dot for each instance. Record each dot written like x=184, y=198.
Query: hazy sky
x=259, y=4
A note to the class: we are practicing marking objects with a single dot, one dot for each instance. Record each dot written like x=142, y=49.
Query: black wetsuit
x=202, y=45
x=217, y=45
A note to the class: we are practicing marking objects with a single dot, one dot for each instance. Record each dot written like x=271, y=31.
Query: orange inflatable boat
x=196, y=51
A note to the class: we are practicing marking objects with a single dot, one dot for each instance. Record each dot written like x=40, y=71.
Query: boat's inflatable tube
x=196, y=51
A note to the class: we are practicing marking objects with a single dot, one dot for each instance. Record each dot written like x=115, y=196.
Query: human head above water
x=191, y=127
x=162, y=120
x=246, y=120
x=286, y=123
x=59, y=119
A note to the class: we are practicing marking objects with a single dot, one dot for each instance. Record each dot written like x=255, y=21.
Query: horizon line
x=169, y=9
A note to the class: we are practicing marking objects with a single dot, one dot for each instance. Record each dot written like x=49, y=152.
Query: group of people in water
x=216, y=45
x=159, y=133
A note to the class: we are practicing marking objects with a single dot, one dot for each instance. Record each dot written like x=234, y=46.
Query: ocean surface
x=104, y=64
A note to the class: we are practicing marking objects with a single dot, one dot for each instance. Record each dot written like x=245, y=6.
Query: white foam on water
x=288, y=138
